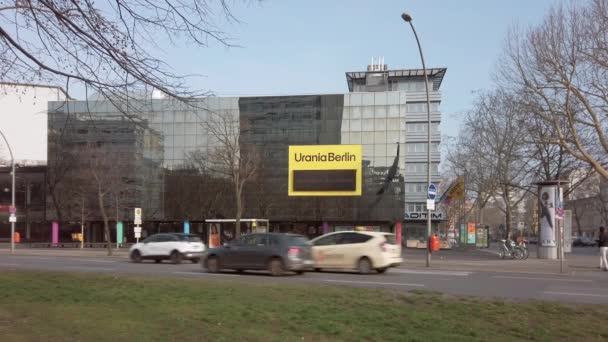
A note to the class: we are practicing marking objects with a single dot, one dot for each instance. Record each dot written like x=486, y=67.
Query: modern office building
x=164, y=151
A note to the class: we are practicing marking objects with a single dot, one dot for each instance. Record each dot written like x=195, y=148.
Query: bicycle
x=514, y=252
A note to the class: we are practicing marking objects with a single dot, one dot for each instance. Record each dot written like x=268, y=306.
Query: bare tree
x=230, y=158
x=559, y=69
x=105, y=45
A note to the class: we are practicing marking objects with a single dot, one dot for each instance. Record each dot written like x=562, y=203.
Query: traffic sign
x=137, y=230
x=137, y=216
x=432, y=193
x=430, y=204
x=12, y=218
x=12, y=210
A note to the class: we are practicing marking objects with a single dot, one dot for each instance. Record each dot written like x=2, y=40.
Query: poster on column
x=547, y=216
x=214, y=235
x=471, y=233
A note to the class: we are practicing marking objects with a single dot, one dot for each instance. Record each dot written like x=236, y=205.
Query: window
x=416, y=147
x=420, y=107
x=415, y=187
x=420, y=127
x=294, y=240
x=416, y=207
x=351, y=238
x=254, y=240
x=420, y=167
x=390, y=239
x=328, y=240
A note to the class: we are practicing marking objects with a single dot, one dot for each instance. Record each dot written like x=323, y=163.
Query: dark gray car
x=274, y=252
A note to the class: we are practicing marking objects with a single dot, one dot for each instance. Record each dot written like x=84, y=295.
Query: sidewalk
x=487, y=260
x=122, y=253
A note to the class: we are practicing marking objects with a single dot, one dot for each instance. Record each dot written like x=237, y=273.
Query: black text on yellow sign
x=325, y=170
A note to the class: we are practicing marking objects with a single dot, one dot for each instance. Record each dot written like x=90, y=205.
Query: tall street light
x=408, y=19
x=13, y=193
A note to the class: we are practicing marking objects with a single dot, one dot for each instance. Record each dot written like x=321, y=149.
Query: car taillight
x=293, y=252
x=383, y=247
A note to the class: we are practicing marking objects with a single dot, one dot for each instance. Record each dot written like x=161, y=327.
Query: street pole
x=408, y=19
x=13, y=192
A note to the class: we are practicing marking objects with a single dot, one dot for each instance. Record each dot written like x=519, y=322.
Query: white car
x=172, y=246
x=355, y=250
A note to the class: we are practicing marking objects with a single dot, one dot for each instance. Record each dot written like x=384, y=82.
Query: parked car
x=584, y=242
x=173, y=246
x=362, y=251
x=533, y=240
x=274, y=252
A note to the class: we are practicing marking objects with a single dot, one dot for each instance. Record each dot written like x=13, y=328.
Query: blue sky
x=295, y=47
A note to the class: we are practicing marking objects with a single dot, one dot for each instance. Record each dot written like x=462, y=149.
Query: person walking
x=602, y=242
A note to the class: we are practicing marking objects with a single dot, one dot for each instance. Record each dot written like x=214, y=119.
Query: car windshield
x=295, y=240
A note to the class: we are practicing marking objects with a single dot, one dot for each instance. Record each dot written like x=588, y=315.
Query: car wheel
x=275, y=267
x=299, y=272
x=213, y=264
x=136, y=256
x=318, y=270
x=176, y=257
x=158, y=261
x=364, y=266
x=381, y=270
x=195, y=260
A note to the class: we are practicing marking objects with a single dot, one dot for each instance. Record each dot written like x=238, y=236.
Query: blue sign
x=432, y=193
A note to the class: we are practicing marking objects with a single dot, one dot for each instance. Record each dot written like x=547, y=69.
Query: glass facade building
x=156, y=155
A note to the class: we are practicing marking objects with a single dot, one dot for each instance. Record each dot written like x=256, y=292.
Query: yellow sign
x=325, y=170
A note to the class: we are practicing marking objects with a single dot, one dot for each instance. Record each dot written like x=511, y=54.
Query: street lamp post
x=12, y=192
x=408, y=19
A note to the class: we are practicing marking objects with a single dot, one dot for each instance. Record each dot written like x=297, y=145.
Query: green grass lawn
x=37, y=306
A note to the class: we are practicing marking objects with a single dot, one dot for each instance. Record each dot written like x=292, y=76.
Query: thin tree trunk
x=106, y=225
x=237, y=192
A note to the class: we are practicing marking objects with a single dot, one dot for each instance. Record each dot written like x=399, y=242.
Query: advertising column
x=547, y=248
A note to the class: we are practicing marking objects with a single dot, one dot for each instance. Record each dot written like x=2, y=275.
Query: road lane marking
x=369, y=282
x=89, y=260
x=206, y=274
x=89, y=268
x=553, y=279
x=575, y=294
x=443, y=273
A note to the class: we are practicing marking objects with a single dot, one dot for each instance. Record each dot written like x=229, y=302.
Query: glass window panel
x=356, y=99
x=393, y=98
x=402, y=123
x=402, y=97
x=355, y=125
x=192, y=128
x=190, y=141
x=356, y=112
x=393, y=111
x=380, y=111
x=179, y=129
x=345, y=139
x=346, y=113
x=402, y=111
x=368, y=112
x=180, y=116
x=380, y=150
x=367, y=137
x=380, y=98
x=392, y=137
x=368, y=151
x=368, y=99
x=345, y=126
x=178, y=141
x=168, y=117
x=402, y=138
x=391, y=150
x=201, y=140
x=178, y=153
x=367, y=125
x=355, y=137
x=379, y=124
x=381, y=162
x=392, y=124
x=346, y=100
x=380, y=137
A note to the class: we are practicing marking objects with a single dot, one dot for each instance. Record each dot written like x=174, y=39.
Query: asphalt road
x=591, y=287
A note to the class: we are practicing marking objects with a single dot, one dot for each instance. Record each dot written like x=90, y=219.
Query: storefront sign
x=325, y=170
x=422, y=216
